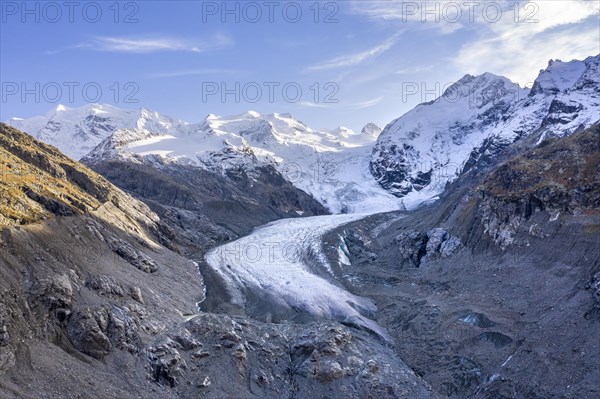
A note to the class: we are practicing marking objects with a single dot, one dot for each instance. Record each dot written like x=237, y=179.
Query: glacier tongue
x=284, y=262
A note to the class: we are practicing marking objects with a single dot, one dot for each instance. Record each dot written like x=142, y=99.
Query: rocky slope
x=418, y=153
x=204, y=208
x=492, y=292
x=92, y=305
x=86, y=283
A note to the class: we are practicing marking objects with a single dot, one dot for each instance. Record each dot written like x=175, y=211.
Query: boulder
x=86, y=335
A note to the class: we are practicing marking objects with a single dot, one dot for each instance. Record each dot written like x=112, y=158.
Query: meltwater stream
x=277, y=261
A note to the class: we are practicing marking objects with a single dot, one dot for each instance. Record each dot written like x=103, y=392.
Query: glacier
x=285, y=262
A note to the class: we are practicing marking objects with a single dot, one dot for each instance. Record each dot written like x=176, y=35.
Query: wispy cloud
x=564, y=30
x=155, y=44
x=414, y=70
x=435, y=14
x=310, y=104
x=194, y=72
x=342, y=106
x=357, y=58
x=367, y=104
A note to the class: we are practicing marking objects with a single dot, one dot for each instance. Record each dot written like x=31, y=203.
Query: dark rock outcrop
x=86, y=330
x=414, y=246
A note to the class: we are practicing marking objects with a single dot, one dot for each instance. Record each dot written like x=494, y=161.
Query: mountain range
x=452, y=254
x=412, y=159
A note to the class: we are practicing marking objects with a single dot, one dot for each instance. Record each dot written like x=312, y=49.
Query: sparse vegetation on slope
x=37, y=182
x=561, y=174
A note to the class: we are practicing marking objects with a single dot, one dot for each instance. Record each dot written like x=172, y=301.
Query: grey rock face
x=279, y=360
x=594, y=285
x=412, y=246
x=477, y=319
x=137, y=259
x=105, y=285
x=415, y=246
x=166, y=365
x=58, y=292
x=85, y=331
x=7, y=356
x=123, y=329
x=435, y=238
x=559, y=176
x=448, y=247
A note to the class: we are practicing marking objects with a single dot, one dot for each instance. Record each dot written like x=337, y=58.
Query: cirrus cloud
x=144, y=45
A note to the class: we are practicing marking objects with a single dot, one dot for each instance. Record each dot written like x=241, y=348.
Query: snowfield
x=284, y=261
x=77, y=131
x=331, y=165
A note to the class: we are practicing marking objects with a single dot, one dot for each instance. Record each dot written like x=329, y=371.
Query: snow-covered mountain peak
x=482, y=91
x=248, y=114
x=559, y=76
x=418, y=153
x=342, y=132
x=371, y=130
x=469, y=83
x=284, y=115
x=76, y=131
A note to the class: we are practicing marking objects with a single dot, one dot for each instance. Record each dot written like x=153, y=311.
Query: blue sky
x=352, y=60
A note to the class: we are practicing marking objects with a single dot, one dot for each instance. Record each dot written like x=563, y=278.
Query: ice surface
x=274, y=261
